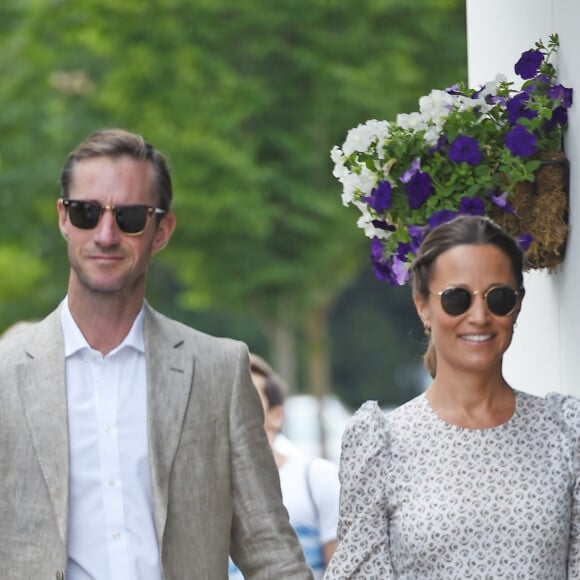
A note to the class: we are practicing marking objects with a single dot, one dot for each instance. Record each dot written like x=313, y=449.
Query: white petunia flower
x=361, y=138
x=410, y=121
x=354, y=184
x=436, y=106
x=364, y=222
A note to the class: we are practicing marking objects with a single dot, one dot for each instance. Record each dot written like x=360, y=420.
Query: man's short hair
x=116, y=143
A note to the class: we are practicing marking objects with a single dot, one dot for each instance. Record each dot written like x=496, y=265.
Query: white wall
x=545, y=353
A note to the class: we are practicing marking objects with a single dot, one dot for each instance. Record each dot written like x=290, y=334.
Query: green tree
x=247, y=99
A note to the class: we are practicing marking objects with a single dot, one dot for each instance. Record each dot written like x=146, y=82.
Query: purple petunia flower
x=537, y=85
x=524, y=241
x=441, y=145
x=393, y=269
x=465, y=149
x=384, y=271
x=381, y=197
x=520, y=142
x=561, y=93
x=383, y=225
x=415, y=167
x=377, y=249
x=517, y=108
x=559, y=117
x=403, y=248
x=400, y=271
x=418, y=189
x=471, y=206
x=440, y=217
x=380, y=263
x=529, y=63
x=383, y=267
x=416, y=233
x=496, y=99
x=502, y=201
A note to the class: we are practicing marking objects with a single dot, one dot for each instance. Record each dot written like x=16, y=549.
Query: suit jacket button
x=59, y=575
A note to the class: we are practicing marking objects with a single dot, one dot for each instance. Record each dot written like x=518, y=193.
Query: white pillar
x=545, y=353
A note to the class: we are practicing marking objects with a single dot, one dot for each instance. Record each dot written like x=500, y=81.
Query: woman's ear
x=422, y=307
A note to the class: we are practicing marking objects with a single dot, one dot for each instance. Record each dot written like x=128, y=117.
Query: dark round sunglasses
x=130, y=219
x=500, y=300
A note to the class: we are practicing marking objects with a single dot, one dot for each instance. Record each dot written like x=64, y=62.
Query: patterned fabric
x=423, y=499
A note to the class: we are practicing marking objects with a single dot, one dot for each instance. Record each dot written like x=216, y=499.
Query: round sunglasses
x=500, y=300
x=130, y=219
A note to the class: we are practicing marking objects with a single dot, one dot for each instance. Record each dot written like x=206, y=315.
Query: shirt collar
x=74, y=340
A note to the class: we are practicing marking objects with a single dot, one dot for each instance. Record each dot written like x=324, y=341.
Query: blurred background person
x=472, y=478
x=310, y=487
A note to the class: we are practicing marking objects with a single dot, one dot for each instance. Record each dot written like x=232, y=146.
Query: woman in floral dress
x=473, y=478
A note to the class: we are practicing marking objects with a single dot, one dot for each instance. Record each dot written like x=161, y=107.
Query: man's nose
x=107, y=232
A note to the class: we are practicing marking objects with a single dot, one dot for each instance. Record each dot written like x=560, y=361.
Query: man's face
x=104, y=259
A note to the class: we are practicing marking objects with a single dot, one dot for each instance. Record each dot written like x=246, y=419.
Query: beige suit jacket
x=215, y=484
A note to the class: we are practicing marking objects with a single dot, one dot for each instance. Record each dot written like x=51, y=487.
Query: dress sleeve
x=363, y=532
x=568, y=410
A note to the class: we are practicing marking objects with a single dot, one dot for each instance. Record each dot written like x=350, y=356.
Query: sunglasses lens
x=84, y=215
x=132, y=219
x=455, y=301
x=501, y=300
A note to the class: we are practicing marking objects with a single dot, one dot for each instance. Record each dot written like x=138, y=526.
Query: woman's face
x=476, y=340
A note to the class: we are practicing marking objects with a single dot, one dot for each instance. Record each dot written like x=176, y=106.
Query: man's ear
x=62, y=218
x=164, y=232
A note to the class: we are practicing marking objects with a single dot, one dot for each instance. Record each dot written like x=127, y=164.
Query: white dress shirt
x=111, y=527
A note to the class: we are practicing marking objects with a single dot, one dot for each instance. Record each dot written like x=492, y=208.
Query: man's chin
x=102, y=286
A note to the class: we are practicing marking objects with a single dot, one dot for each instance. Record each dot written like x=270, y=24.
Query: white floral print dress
x=422, y=499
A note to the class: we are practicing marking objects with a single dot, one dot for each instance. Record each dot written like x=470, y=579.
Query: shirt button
x=116, y=535
x=112, y=482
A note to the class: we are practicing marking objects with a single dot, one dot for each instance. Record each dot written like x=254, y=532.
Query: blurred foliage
x=22, y=272
x=247, y=99
x=377, y=343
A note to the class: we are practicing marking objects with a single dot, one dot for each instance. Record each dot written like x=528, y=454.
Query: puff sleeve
x=363, y=531
x=567, y=409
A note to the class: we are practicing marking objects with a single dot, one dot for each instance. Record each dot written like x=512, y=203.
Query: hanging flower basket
x=493, y=151
x=541, y=210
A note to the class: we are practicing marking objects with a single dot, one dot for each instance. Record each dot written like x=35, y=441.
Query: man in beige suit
x=131, y=446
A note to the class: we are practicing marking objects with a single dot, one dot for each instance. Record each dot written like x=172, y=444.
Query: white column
x=545, y=353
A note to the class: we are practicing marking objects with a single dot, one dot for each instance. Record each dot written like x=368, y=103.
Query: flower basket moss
x=495, y=150
x=541, y=209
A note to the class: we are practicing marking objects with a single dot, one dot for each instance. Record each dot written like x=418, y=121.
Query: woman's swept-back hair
x=116, y=143
x=463, y=230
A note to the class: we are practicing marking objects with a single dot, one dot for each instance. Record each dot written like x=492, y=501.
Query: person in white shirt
x=310, y=487
x=132, y=445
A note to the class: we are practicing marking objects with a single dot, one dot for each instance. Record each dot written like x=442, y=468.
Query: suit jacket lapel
x=41, y=381
x=170, y=366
